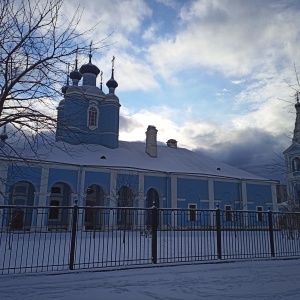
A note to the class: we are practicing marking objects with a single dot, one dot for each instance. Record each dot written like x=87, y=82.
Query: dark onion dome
x=64, y=89
x=62, y=102
x=111, y=83
x=75, y=75
x=89, y=68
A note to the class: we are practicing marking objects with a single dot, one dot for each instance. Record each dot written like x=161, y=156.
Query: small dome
x=111, y=83
x=75, y=75
x=64, y=89
x=62, y=102
x=89, y=68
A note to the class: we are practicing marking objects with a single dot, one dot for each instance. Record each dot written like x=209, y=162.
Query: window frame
x=192, y=213
x=24, y=185
x=92, y=115
x=228, y=213
x=296, y=164
x=56, y=209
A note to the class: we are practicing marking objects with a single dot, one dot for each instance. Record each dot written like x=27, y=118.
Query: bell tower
x=87, y=115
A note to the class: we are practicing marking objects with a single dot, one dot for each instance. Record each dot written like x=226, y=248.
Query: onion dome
x=111, y=83
x=89, y=68
x=64, y=89
x=75, y=75
x=62, y=102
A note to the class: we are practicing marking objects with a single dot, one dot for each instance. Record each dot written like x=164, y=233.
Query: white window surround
x=92, y=115
x=296, y=164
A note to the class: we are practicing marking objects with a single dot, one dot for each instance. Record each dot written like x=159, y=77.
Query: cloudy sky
x=216, y=75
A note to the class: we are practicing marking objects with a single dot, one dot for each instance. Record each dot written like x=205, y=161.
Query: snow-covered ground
x=252, y=279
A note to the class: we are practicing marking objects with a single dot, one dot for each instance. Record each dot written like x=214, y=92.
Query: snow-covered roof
x=132, y=155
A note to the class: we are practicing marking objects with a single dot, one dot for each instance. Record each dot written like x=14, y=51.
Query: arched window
x=21, y=193
x=296, y=164
x=58, y=218
x=92, y=117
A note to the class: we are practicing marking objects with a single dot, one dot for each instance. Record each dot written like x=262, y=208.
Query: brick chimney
x=151, y=141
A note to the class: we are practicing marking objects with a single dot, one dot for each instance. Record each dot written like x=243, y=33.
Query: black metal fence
x=35, y=239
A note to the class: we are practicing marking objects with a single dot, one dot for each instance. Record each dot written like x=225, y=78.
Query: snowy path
x=260, y=279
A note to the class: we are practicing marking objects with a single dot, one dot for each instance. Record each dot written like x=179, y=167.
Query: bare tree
x=36, y=41
x=126, y=196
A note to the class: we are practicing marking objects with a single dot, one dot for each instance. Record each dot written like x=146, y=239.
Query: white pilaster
x=42, y=217
x=274, y=197
x=245, y=201
x=174, y=200
x=244, y=195
x=211, y=194
x=113, y=199
x=211, y=199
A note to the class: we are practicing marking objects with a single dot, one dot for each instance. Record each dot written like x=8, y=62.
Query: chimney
x=151, y=141
x=172, y=143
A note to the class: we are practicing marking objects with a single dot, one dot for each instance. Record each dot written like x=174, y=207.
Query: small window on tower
x=296, y=164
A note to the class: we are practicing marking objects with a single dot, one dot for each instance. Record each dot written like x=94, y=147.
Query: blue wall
x=66, y=176
x=100, y=178
x=260, y=194
x=193, y=190
x=229, y=193
x=23, y=173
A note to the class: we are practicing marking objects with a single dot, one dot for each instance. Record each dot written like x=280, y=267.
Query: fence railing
x=49, y=238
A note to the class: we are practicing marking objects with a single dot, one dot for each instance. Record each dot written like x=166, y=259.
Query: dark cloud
x=128, y=124
x=253, y=150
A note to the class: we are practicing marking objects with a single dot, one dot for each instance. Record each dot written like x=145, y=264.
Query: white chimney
x=151, y=141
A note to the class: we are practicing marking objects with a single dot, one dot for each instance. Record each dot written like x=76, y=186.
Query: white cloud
x=150, y=33
x=233, y=37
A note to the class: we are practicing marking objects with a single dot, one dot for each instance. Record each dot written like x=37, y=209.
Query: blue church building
x=89, y=164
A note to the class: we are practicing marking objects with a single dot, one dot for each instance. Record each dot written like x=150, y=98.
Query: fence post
x=154, y=233
x=271, y=233
x=218, y=228
x=73, y=237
